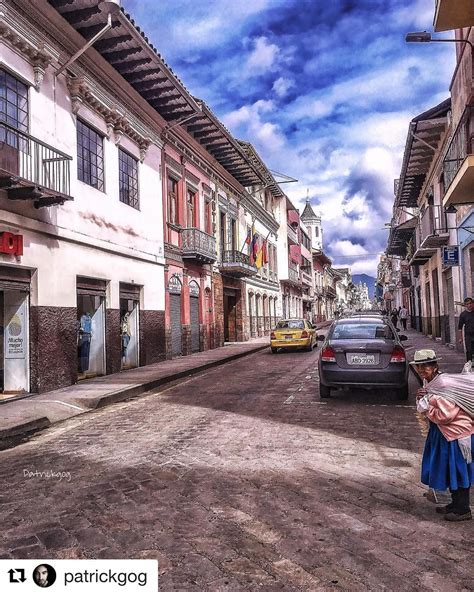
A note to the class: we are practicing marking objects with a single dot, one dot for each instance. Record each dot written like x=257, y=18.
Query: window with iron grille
x=90, y=156
x=128, y=179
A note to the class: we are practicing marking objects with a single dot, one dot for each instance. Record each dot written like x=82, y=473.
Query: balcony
x=458, y=165
x=198, y=245
x=292, y=235
x=330, y=292
x=293, y=217
x=32, y=170
x=433, y=228
x=453, y=14
x=306, y=279
x=293, y=278
x=237, y=264
x=418, y=254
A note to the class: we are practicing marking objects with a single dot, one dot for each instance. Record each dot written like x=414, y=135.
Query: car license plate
x=288, y=336
x=362, y=359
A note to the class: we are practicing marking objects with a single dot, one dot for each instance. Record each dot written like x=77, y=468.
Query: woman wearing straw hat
x=447, y=457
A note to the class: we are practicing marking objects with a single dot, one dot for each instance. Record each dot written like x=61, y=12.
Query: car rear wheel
x=402, y=393
x=324, y=391
x=274, y=350
x=309, y=348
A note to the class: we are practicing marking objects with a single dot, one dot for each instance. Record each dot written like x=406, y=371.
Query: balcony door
x=13, y=119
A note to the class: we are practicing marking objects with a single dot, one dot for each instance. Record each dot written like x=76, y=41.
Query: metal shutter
x=175, y=310
x=194, y=306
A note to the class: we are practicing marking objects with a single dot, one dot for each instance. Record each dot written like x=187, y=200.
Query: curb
x=34, y=426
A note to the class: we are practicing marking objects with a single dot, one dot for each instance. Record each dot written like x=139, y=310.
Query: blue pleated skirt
x=443, y=465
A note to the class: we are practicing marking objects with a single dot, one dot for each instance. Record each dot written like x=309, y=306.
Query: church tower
x=313, y=222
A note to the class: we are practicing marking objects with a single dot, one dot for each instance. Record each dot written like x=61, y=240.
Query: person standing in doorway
x=466, y=323
x=403, y=315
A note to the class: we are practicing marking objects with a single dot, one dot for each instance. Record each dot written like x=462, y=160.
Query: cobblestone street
x=240, y=478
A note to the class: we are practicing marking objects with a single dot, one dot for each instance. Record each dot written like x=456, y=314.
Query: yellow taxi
x=293, y=333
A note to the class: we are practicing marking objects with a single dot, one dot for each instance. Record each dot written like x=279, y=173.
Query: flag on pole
x=254, y=248
x=264, y=252
x=259, y=257
x=248, y=239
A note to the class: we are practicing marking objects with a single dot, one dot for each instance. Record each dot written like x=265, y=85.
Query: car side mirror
x=321, y=337
x=403, y=338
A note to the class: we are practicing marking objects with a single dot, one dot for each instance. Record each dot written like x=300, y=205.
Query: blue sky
x=324, y=90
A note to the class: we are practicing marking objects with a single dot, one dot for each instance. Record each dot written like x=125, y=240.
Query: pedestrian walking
x=466, y=323
x=447, y=456
x=403, y=315
x=394, y=317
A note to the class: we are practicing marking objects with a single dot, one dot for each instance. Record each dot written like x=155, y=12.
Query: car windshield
x=362, y=331
x=290, y=325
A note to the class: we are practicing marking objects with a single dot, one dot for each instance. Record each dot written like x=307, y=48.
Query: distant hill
x=365, y=279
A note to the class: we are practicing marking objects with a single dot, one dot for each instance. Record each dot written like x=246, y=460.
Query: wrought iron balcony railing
x=460, y=147
x=292, y=234
x=433, y=227
x=237, y=263
x=31, y=169
x=293, y=275
x=199, y=245
x=306, y=278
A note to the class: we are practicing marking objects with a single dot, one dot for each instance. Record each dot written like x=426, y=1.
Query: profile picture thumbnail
x=44, y=575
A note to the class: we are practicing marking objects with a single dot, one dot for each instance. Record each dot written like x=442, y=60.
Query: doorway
x=230, y=315
x=194, y=315
x=91, y=335
x=129, y=332
x=174, y=289
x=14, y=346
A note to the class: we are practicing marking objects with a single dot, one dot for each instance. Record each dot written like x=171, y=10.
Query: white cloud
x=248, y=123
x=262, y=58
x=282, y=85
x=347, y=248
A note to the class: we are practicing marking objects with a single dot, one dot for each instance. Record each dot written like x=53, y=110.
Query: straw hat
x=425, y=356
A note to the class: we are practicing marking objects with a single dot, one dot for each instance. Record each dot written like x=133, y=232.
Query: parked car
x=293, y=334
x=363, y=352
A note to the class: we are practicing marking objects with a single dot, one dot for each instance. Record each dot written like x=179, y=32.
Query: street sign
x=450, y=255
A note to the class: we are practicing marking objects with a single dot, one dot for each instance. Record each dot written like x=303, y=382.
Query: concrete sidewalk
x=452, y=361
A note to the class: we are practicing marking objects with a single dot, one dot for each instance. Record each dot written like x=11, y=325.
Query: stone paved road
x=240, y=479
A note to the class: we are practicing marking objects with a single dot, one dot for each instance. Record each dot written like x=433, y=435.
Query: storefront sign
x=15, y=334
x=450, y=256
x=11, y=244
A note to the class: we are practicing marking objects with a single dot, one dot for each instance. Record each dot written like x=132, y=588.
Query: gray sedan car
x=363, y=352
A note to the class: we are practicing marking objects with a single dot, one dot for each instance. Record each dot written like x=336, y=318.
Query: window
x=208, y=215
x=191, y=208
x=13, y=111
x=290, y=325
x=362, y=331
x=172, y=201
x=13, y=101
x=90, y=156
x=128, y=179
x=233, y=234
x=305, y=241
x=316, y=231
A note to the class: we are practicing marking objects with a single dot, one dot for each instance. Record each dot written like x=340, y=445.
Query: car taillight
x=272, y=335
x=304, y=334
x=398, y=354
x=328, y=354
